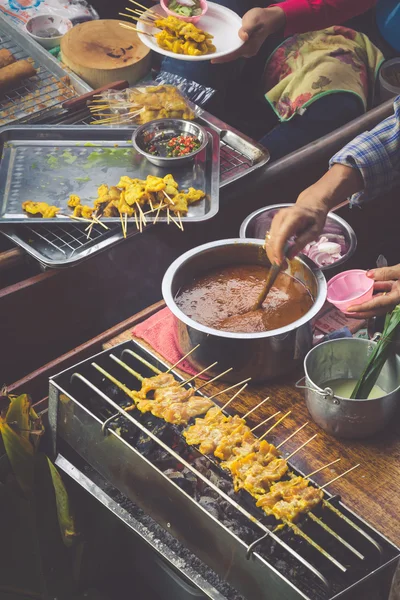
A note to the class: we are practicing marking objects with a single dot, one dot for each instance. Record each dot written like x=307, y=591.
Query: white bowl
x=44, y=29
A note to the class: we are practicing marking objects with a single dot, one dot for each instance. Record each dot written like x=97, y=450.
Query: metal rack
x=65, y=245
x=44, y=92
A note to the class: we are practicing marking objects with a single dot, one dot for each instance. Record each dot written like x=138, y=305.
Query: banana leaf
x=18, y=415
x=21, y=456
x=379, y=356
x=65, y=517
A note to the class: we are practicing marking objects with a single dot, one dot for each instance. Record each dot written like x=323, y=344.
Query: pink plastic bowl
x=194, y=20
x=349, y=288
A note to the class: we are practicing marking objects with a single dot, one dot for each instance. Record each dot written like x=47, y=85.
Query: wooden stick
x=141, y=13
x=122, y=224
x=335, y=535
x=158, y=214
x=301, y=533
x=183, y=358
x=300, y=447
x=136, y=220
x=180, y=220
x=339, y=476
x=168, y=198
x=276, y=424
x=79, y=218
x=142, y=360
x=322, y=468
x=126, y=367
x=151, y=205
x=138, y=19
x=175, y=222
x=150, y=10
x=229, y=401
x=126, y=223
x=255, y=408
x=229, y=388
x=266, y=420
x=127, y=26
x=293, y=434
x=213, y=379
x=121, y=386
x=198, y=374
x=167, y=216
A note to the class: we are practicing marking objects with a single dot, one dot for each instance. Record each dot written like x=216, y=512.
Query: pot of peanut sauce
x=211, y=291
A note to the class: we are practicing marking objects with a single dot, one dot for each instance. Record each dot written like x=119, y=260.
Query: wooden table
x=371, y=490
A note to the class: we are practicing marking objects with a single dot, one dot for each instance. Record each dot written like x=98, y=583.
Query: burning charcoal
x=244, y=533
x=183, y=482
x=210, y=505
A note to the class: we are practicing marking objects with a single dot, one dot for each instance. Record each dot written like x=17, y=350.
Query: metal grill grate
x=35, y=95
x=67, y=239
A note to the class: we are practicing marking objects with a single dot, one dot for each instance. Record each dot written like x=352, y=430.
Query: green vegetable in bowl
x=186, y=8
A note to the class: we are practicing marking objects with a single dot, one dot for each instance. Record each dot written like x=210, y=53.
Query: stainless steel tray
x=67, y=244
x=49, y=88
x=48, y=164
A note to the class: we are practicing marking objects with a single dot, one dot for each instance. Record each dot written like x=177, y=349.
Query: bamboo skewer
x=115, y=381
x=339, y=476
x=140, y=12
x=229, y=401
x=335, y=535
x=141, y=359
x=128, y=26
x=137, y=18
x=183, y=358
x=180, y=220
x=213, y=379
x=301, y=533
x=322, y=468
x=266, y=420
x=295, y=528
x=301, y=447
x=150, y=10
x=275, y=424
x=229, y=388
x=198, y=374
x=292, y=435
x=255, y=408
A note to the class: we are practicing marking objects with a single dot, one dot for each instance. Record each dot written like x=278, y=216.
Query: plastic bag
x=141, y=104
x=20, y=11
x=195, y=92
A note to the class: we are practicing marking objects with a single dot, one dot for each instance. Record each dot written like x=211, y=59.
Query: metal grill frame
x=70, y=419
x=44, y=92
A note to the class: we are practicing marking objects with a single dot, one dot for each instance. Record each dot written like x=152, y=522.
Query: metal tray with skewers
x=327, y=553
x=50, y=164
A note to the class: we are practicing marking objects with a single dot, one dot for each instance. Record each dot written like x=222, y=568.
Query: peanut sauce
x=223, y=299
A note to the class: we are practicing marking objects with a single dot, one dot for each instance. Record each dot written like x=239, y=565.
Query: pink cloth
x=159, y=331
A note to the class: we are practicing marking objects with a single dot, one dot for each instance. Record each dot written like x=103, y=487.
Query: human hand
x=387, y=284
x=305, y=220
x=257, y=25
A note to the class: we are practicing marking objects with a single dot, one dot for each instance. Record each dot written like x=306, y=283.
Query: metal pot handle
x=327, y=393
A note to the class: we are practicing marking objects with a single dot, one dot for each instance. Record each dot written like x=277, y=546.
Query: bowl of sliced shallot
x=333, y=248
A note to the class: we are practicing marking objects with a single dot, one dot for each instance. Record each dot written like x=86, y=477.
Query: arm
x=310, y=15
x=293, y=16
x=364, y=169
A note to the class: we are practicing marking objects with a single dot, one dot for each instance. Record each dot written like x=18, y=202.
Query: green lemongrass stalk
x=378, y=357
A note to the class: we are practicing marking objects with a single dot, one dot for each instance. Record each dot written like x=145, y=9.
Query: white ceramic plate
x=221, y=22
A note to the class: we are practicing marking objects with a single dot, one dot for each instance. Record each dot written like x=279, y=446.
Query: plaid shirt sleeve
x=376, y=154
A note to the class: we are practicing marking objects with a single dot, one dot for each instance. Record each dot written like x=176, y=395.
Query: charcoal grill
x=191, y=497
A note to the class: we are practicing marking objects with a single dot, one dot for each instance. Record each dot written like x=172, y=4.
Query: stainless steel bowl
x=262, y=356
x=156, y=130
x=258, y=223
x=343, y=417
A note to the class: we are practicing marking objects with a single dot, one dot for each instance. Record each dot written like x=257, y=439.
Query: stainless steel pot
x=261, y=356
x=346, y=359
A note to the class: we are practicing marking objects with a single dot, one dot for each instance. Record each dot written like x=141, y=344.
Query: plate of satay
x=215, y=35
